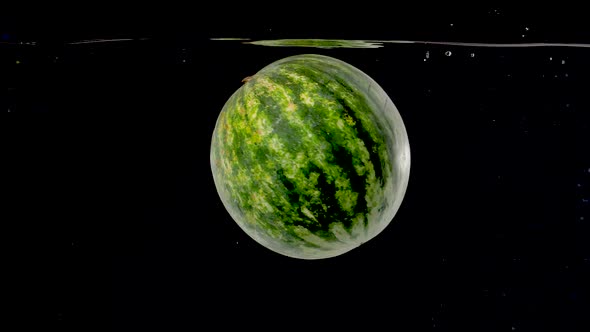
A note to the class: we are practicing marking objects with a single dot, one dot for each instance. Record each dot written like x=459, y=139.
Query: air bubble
x=448, y=53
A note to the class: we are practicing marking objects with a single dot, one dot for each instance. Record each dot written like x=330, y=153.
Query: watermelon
x=310, y=157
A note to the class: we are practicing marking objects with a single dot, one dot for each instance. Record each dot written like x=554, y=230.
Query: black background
x=110, y=186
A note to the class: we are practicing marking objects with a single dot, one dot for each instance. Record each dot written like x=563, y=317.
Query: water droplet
x=581, y=218
x=550, y=58
x=427, y=54
x=563, y=62
x=522, y=36
x=451, y=24
x=448, y=53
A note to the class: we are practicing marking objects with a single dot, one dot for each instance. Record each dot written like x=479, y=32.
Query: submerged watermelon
x=310, y=157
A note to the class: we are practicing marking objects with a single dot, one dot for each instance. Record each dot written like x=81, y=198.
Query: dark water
x=109, y=155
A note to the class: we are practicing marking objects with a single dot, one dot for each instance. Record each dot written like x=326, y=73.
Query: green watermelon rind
x=310, y=157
